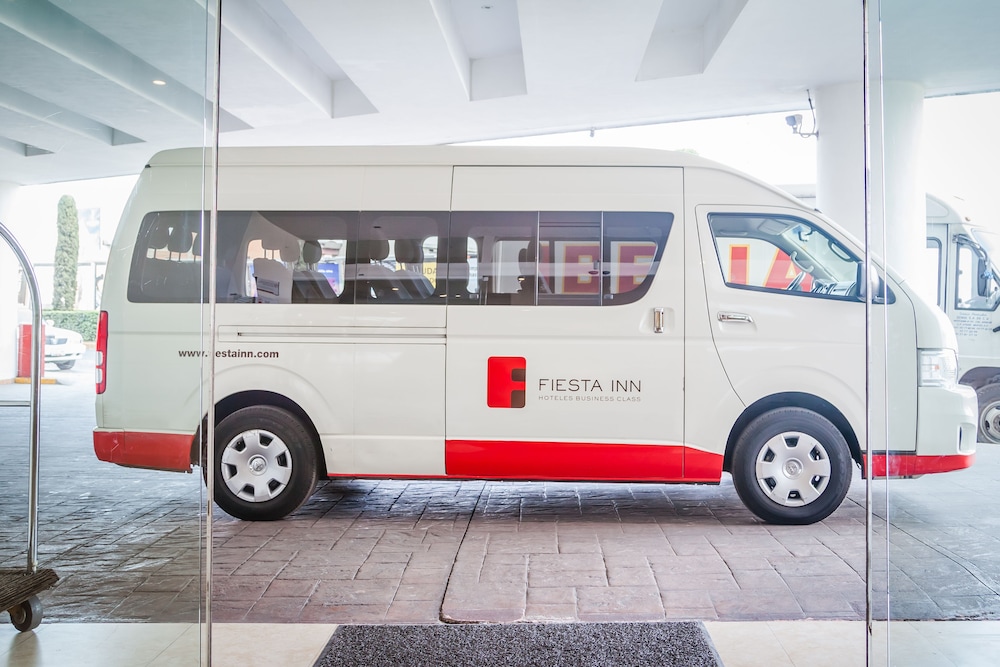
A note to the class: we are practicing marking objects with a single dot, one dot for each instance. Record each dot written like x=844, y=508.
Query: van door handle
x=658, y=317
x=735, y=317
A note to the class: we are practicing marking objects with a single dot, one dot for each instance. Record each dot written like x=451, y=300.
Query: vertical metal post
x=36, y=368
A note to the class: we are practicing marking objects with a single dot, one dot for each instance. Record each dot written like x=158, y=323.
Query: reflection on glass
x=935, y=550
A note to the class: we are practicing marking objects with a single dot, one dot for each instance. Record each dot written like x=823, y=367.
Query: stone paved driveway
x=473, y=551
x=127, y=545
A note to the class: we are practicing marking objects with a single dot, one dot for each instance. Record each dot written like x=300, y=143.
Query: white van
x=509, y=313
x=964, y=257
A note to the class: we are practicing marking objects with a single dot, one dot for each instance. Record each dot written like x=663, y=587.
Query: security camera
x=794, y=120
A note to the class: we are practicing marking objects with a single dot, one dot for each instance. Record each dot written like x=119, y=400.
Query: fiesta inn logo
x=505, y=382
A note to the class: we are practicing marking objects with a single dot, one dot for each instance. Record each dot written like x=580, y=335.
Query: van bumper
x=135, y=449
x=946, y=435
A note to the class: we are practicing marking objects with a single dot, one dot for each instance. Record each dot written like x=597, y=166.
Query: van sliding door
x=566, y=360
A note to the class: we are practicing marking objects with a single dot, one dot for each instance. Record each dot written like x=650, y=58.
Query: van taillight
x=101, y=363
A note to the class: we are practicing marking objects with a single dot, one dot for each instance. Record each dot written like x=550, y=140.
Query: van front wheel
x=265, y=464
x=791, y=466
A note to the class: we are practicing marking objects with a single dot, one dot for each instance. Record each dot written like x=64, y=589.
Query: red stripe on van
x=160, y=451
x=493, y=459
x=911, y=465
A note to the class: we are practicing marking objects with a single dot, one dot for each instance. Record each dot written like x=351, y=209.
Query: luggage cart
x=19, y=589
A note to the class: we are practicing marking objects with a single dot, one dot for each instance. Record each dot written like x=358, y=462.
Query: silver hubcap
x=991, y=422
x=793, y=469
x=256, y=465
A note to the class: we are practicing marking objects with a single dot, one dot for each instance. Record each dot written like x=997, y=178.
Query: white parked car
x=62, y=347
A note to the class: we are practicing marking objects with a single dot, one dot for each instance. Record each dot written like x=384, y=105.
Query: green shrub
x=84, y=322
x=67, y=254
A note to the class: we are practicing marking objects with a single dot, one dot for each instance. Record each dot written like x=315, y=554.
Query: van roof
x=437, y=155
x=452, y=156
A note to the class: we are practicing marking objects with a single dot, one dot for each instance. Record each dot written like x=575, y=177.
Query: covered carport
x=94, y=89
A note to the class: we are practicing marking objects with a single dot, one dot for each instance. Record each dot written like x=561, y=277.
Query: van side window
x=782, y=254
x=576, y=258
x=395, y=258
x=166, y=259
x=496, y=245
x=932, y=267
x=285, y=256
x=976, y=286
x=588, y=258
x=263, y=257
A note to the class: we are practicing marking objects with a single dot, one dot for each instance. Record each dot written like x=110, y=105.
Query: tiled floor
x=739, y=644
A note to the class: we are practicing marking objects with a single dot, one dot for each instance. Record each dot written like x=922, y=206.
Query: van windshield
x=814, y=247
x=990, y=242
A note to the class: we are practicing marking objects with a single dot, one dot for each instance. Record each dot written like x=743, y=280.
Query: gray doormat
x=678, y=644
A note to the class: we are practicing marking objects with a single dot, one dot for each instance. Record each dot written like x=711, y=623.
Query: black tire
x=791, y=466
x=265, y=464
x=27, y=615
x=989, y=413
x=65, y=365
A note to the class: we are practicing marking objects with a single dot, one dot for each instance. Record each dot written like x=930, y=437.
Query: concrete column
x=903, y=180
x=9, y=285
x=896, y=185
x=840, y=155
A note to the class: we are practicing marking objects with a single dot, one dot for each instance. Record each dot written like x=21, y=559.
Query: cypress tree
x=67, y=255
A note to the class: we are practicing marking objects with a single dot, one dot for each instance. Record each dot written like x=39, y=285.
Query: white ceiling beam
x=24, y=150
x=21, y=102
x=252, y=26
x=396, y=63
x=578, y=45
x=686, y=37
x=60, y=32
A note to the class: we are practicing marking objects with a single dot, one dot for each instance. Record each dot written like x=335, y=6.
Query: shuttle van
x=510, y=314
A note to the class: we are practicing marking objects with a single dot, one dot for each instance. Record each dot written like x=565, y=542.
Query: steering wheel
x=796, y=281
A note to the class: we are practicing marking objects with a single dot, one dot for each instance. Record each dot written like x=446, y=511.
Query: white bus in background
x=964, y=257
x=509, y=314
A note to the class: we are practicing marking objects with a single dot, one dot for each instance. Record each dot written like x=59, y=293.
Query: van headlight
x=938, y=368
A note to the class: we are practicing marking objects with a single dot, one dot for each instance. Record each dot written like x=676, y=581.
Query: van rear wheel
x=989, y=413
x=791, y=466
x=265, y=464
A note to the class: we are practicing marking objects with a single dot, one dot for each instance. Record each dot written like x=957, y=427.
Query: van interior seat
x=272, y=277
x=156, y=269
x=374, y=280
x=309, y=285
x=181, y=277
x=410, y=253
x=454, y=272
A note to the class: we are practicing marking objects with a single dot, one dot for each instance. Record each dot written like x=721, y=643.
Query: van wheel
x=989, y=413
x=65, y=365
x=265, y=464
x=791, y=466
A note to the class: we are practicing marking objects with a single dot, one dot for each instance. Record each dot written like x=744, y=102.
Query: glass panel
x=91, y=101
x=938, y=546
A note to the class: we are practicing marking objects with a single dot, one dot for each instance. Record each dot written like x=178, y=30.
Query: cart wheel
x=27, y=615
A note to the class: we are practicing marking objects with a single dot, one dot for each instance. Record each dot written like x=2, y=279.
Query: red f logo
x=505, y=382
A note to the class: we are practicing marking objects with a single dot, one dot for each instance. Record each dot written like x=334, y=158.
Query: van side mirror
x=984, y=278
x=877, y=287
